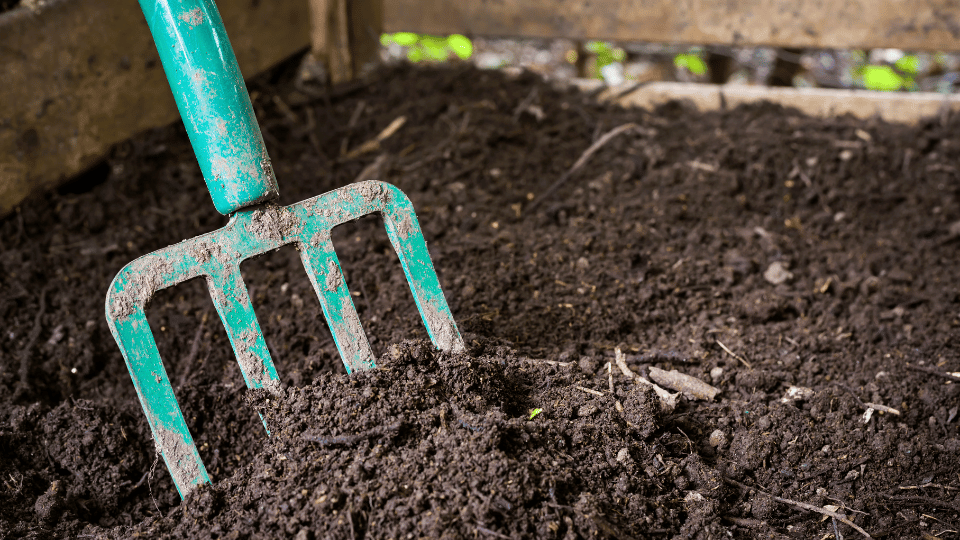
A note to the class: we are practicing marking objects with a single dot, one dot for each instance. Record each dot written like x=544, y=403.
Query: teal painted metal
x=216, y=110
x=213, y=101
x=216, y=256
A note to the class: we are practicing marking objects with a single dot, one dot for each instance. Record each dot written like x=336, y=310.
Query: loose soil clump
x=806, y=268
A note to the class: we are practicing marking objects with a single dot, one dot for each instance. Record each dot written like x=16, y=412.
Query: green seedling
x=605, y=54
x=690, y=62
x=535, y=412
x=461, y=46
x=425, y=47
x=881, y=78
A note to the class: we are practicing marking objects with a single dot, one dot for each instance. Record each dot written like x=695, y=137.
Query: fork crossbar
x=217, y=257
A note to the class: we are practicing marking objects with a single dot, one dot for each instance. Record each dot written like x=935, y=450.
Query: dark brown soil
x=659, y=246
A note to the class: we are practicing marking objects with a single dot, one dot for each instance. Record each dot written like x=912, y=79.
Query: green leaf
x=909, y=64
x=434, y=48
x=406, y=39
x=882, y=78
x=461, y=46
x=535, y=412
x=415, y=54
x=691, y=62
x=596, y=46
x=386, y=39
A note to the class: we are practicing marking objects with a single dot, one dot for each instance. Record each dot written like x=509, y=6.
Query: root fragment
x=686, y=384
x=803, y=506
x=669, y=400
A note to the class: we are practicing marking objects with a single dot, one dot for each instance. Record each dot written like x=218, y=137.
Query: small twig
x=187, y=363
x=931, y=485
x=621, y=360
x=610, y=375
x=522, y=106
x=150, y=483
x=934, y=371
x=836, y=530
x=356, y=114
x=551, y=362
x=348, y=440
x=374, y=143
x=142, y=480
x=882, y=408
x=587, y=154
x=803, y=506
x=866, y=405
x=373, y=171
x=923, y=500
x=587, y=390
x=733, y=354
x=25, y=353
x=485, y=530
x=844, y=506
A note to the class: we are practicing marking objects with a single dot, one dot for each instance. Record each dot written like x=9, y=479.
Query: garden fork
x=216, y=110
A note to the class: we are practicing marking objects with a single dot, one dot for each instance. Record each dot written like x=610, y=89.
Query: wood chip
x=684, y=383
x=668, y=400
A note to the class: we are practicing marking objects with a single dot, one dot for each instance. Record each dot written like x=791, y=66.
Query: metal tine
x=403, y=229
x=167, y=425
x=323, y=268
x=217, y=257
x=405, y=234
x=230, y=297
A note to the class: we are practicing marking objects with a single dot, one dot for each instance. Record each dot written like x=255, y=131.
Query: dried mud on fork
x=755, y=249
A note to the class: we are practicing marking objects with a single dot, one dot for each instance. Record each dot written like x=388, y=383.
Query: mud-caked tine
x=169, y=429
x=323, y=268
x=217, y=256
x=405, y=234
x=230, y=297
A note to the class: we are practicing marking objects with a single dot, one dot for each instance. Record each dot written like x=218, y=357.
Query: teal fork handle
x=213, y=101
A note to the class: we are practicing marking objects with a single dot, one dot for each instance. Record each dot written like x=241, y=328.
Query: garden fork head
x=219, y=118
x=217, y=257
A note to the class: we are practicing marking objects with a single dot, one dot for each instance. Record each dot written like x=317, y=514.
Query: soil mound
x=808, y=269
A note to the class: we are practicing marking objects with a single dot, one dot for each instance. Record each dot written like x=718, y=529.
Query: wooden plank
x=345, y=39
x=366, y=25
x=820, y=102
x=847, y=24
x=331, y=38
x=82, y=75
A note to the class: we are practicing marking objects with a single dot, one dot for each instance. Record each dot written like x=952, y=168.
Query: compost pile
x=806, y=268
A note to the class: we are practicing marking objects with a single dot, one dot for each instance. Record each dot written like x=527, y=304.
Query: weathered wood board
x=822, y=102
x=81, y=75
x=845, y=24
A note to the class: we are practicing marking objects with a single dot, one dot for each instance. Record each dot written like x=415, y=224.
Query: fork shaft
x=213, y=101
